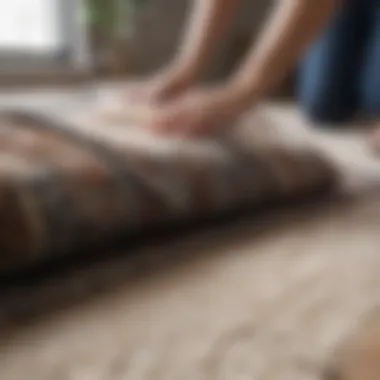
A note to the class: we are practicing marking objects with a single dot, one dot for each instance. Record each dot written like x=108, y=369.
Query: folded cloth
x=70, y=182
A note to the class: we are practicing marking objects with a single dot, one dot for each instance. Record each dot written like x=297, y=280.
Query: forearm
x=292, y=26
x=207, y=22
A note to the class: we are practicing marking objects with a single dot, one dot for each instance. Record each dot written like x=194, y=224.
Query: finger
x=140, y=114
x=165, y=119
x=161, y=127
x=137, y=95
x=200, y=130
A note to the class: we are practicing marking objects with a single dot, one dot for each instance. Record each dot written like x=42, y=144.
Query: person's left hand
x=198, y=112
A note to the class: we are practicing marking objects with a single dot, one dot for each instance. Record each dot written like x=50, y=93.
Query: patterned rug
x=71, y=181
x=274, y=295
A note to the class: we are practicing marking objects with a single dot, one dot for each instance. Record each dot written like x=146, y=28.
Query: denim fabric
x=340, y=74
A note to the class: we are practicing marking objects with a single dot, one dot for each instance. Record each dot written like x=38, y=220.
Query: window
x=41, y=34
x=30, y=25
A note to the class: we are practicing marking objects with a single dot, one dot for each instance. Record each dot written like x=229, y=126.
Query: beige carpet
x=266, y=298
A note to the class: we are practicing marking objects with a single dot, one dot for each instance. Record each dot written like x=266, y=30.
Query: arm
x=293, y=24
x=208, y=20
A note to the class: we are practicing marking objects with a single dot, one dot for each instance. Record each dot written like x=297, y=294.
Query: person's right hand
x=161, y=87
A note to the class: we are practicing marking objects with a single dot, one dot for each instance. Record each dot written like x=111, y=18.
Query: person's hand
x=161, y=87
x=138, y=99
x=199, y=112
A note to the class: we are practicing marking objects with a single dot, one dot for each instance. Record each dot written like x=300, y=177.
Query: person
x=335, y=43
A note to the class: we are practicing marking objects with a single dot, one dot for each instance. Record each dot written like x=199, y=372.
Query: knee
x=326, y=110
x=371, y=102
x=326, y=114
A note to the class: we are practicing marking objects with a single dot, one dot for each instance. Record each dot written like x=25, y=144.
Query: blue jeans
x=340, y=75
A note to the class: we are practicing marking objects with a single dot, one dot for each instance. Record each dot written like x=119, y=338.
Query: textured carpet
x=264, y=298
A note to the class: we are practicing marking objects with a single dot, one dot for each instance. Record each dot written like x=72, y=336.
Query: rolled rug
x=70, y=182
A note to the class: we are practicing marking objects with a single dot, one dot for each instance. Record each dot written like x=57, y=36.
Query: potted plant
x=112, y=25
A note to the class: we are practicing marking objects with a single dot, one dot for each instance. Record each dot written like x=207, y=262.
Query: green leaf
x=102, y=12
